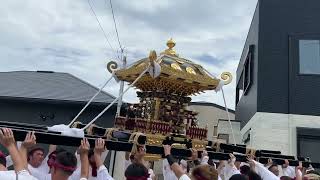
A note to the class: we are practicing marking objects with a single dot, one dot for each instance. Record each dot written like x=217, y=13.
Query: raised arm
x=29, y=141
x=178, y=171
x=263, y=171
x=84, y=151
x=230, y=168
x=52, y=148
x=8, y=141
x=99, y=149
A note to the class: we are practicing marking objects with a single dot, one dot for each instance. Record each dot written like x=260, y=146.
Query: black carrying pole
x=58, y=139
x=48, y=137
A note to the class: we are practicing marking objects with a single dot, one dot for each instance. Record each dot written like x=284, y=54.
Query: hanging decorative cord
x=89, y=102
x=115, y=100
x=227, y=110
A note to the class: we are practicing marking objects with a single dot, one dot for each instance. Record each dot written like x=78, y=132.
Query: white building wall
x=224, y=128
x=209, y=115
x=275, y=131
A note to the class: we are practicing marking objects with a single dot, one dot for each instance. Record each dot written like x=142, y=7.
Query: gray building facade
x=278, y=76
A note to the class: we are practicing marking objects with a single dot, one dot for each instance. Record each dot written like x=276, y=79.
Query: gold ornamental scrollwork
x=176, y=66
x=226, y=77
x=112, y=66
x=191, y=70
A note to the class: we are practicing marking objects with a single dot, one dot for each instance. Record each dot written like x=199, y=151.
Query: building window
x=215, y=130
x=309, y=56
x=246, y=76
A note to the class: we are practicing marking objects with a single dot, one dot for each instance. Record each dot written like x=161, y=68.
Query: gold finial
x=171, y=43
x=170, y=50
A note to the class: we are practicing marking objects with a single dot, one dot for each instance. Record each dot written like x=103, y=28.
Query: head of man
x=52, y=158
x=36, y=156
x=3, y=162
x=274, y=169
x=136, y=171
x=238, y=177
x=237, y=164
x=63, y=166
x=139, y=155
x=204, y=172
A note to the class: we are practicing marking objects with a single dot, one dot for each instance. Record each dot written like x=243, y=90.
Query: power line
x=115, y=24
x=104, y=33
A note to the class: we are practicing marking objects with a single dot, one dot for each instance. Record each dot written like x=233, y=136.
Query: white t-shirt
x=43, y=168
x=77, y=173
x=11, y=175
x=184, y=177
x=168, y=174
x=102, y=174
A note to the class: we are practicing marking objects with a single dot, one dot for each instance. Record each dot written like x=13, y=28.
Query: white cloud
x=64, y=36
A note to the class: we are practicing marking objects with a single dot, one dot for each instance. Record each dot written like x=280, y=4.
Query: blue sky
x=63, y=36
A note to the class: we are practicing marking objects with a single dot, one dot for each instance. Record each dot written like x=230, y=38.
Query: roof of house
x=204, y=103
x=48, y=85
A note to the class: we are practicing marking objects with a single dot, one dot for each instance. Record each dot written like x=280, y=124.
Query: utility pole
x=117, y=158
x=124, y=64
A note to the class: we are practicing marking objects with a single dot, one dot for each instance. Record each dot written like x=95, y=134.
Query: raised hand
x=167, y=149
x=232, y=159
x=84, y=147
x=204, y=153
x=7, y=138
x=270, y=162
x=251, y=162
x=194, y=155
x=99, y=147
x=30, y=140
x=286, y=163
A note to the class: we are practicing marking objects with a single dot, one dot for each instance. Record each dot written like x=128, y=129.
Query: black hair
x=3, y=161
x=254, y=176
x=238, y=177
x=34, y=149
x=273, y=165
x=67, y=159
x=285, y=178
x=136, y=170
x=57, y=152
x=245, y=169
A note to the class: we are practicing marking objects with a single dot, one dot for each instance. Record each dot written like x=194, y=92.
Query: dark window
x=215, y=130
x=246, y=77
x=309, y=56
x=308, y=143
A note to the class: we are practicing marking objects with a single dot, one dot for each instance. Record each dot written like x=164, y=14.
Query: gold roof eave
x=178, y=75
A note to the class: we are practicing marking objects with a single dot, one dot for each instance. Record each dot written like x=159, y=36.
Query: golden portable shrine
x=162, y=110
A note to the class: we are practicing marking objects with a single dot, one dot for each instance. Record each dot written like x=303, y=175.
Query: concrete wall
x=224, y=128
x=275, y=131
x=209, y=115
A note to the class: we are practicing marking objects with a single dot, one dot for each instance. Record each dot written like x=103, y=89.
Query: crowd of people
x=30, y=163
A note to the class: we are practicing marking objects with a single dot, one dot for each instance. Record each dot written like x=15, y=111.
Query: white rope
x=227, y=110
x=115, y=100
x=88, y=103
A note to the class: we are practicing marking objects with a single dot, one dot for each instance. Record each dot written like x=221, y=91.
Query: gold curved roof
x=178, y=75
